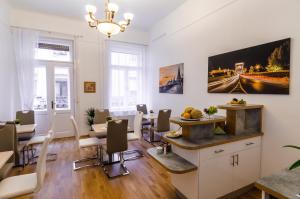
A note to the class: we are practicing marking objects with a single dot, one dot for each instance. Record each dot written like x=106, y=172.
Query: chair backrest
x=41, y=165
x=116, y=140
x=8, y=139
x=76, y=129
x=137, y=126
x=142, y=108
x=100, y=116
x=163, y=123
x=25, y=117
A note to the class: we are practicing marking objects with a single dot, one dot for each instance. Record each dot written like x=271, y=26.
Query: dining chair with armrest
x=100, y=116
x=86, y=143
x=39, y=139
x=26, y=184
x=163, y=124
x=25, y=118
x=136, y=135
x=143, y=108
x=9, y=142
x=116, y=142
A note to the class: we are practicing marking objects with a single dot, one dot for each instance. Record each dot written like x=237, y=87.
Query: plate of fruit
x=173, y=134
x=237, y=102
x=191, y=114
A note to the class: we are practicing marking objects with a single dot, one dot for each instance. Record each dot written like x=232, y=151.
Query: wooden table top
x=4, y=157
x=99, y=128
x=28, y=128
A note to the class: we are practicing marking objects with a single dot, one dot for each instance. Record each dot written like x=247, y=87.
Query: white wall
x=202, y=28
x=6, y=65
x=89, y=52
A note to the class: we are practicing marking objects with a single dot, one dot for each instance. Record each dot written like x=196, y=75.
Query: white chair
x=39, y=139
x=26, y=184
x=85, y=143
x=136, y=135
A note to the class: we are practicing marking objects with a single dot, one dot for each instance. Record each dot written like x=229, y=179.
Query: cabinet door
x=247, y=167
x=215, y=177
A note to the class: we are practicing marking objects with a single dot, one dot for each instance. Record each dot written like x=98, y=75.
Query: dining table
x=4, y=157
x=152, y=117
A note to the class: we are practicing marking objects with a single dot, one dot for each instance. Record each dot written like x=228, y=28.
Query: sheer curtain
x=24, y=44
x=125, y=77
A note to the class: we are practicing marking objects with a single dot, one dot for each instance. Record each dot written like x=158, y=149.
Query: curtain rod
x=46, y=31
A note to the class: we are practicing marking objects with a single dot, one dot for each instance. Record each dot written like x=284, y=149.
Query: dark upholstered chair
x=25, y=117
x=142, y=108
x=116, y=142
x=163, y=123
x=100, y=116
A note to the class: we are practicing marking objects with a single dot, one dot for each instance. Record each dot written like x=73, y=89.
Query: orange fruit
x=187, y=115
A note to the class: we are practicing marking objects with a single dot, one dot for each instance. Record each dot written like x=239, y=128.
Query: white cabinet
x=226, y=168
x=247, y=167
x=215, y=177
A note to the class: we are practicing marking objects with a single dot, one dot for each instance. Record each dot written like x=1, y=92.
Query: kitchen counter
x=283, y=185
x=208, y=142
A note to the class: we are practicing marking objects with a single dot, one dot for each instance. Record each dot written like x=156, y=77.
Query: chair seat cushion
x=18, y=185
x=37, y=140
x=87, y=142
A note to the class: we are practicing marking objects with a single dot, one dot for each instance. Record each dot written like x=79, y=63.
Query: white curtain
x=24, y=43
x=125, y=77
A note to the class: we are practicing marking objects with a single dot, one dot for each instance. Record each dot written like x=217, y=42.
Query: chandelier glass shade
x=108, y=26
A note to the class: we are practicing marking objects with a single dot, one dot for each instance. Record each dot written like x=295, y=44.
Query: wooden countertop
x=282, y=185
x=213, y=119
x=240, y=107
x=172, y=162
x=208, y=142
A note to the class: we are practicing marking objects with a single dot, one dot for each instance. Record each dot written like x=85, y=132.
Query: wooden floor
x=147, y=180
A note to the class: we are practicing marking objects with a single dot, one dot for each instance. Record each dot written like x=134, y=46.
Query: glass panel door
x=62, y=88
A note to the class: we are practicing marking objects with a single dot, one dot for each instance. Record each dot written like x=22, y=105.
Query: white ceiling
x=147, y=12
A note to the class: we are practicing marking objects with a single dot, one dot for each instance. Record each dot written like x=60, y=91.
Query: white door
x=215, y=179
x=54, y=86
x=247, y=169
x=54, y=93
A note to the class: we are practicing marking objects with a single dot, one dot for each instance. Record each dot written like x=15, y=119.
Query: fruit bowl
x=189, y=119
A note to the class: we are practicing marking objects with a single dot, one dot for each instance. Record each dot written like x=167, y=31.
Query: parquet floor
x=147, y=179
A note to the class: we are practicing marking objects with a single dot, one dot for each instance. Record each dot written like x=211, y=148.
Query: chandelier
x=108, y=26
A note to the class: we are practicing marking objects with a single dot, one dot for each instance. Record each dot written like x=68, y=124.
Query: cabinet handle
x=237, y=159
x=232, y=160
x=219, y=151
x=249, y=143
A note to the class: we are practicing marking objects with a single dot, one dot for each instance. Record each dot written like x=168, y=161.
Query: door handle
x=232, y=163
x=219, y=151
x=237, y=159
x=52, y=104
x=249, y=143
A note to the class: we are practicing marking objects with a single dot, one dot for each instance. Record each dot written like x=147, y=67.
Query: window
x=126, y=80
x=54, y=50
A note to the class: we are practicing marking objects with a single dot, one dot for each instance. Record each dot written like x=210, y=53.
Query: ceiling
x=147, y=12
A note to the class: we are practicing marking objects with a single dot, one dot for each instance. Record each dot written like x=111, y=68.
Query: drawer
x=247, y=144
x=230, y=148
x=216, y=151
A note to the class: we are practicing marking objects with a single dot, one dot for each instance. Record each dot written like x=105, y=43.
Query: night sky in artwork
x=250, y=56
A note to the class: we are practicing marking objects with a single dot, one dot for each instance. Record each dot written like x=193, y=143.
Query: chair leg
x=138, y=155
x=122, y=164
x=87, y=159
